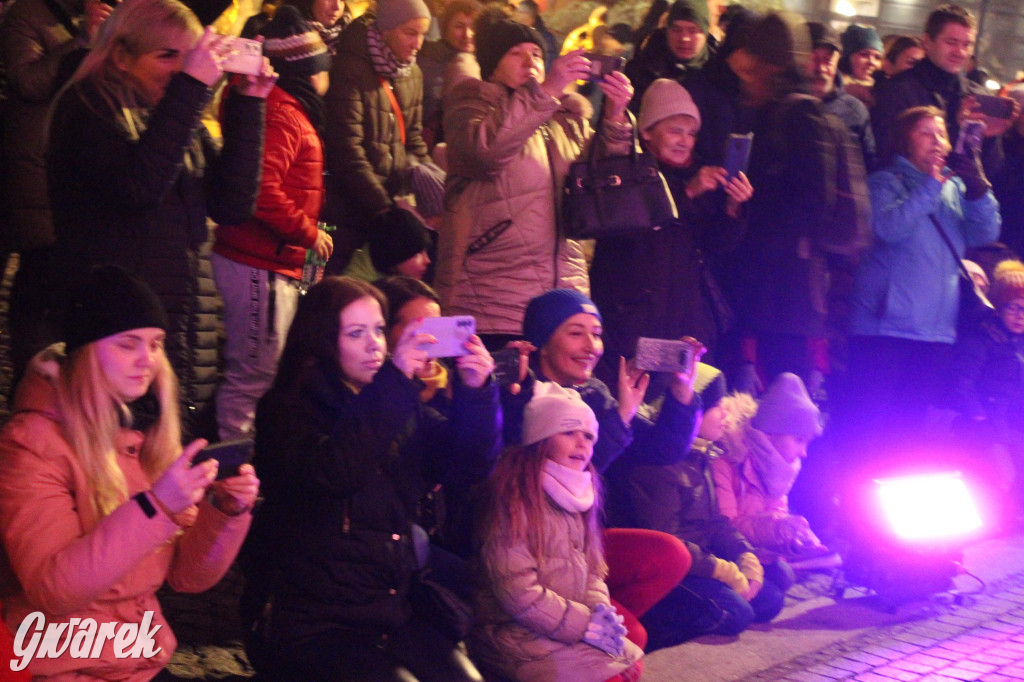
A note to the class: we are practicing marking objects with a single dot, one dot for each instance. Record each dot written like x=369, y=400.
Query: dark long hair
x=313, y=337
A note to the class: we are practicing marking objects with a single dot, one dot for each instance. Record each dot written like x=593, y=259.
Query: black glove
x=970, y=171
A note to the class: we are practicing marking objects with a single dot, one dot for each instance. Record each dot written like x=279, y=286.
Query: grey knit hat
x=663, y=99
x=786, y=408
x=393, y=13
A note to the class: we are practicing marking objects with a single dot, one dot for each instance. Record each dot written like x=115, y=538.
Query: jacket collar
x=935, y=79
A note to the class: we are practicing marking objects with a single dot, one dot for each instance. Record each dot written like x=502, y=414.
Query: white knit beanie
x=554, y=409
x=663, y=99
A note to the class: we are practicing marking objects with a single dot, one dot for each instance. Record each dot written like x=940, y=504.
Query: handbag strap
x=959, y=263
x=634, y=149
x=399, y=118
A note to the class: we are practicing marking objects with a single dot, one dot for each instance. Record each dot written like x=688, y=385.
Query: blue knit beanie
x=546, y=312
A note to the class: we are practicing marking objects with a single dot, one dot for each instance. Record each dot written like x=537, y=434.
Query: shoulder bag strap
x=395, y=109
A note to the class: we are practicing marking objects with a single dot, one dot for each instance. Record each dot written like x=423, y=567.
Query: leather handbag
x=974, y=305
x=616, y=195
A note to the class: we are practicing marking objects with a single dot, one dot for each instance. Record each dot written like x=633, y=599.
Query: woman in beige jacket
x=511, y=138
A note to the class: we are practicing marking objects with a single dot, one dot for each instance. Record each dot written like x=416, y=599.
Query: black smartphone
x=603, y=64
x=663, y=355
x=737, y=154
x=451, y=334
x=506, y=366
x=994, y=106
x=230, y=455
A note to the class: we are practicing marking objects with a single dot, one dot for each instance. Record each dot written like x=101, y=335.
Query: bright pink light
x=930, y=507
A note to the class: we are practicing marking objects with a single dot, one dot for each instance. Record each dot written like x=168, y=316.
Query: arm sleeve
x=60, y=566
x=981, y=220
x=234, y=174
x=667, y=440
x=466, y=445
x=32, y=72
x=721, y=475
x=206, y=550
x=494, y=132
x=896, y=214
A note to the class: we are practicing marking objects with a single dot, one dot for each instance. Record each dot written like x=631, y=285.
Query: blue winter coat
x=906, y=287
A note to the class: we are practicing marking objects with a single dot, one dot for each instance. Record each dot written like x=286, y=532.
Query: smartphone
x=737, y=154
x=603, y=64
x=994, y=106
x=451, y=334
x=230, y=455
x=245, y=56
x=663, y=355
x=969, y=140
x=506, y=366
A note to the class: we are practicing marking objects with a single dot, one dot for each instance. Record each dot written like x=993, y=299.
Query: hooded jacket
x=69, y=563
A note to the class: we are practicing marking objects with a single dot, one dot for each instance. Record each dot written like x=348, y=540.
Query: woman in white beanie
x=543, y=608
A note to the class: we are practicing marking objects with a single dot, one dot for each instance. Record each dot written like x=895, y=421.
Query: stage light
x=928, y=508
x=845, y=8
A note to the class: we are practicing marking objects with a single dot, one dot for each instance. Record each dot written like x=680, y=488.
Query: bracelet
x=147, y=507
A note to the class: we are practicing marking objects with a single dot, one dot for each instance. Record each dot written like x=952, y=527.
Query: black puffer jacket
x=679, y=499
x=987, y=373
x=136, y=192
x=342, y=474
x=366, y=159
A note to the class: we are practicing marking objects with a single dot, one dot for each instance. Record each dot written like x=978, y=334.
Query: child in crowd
x=349, y=450
x=988, y=381
x=99, y=503
x=399, y=244
x=726, y=589
x=257, y=265
x=544, y=609
x=763, y=446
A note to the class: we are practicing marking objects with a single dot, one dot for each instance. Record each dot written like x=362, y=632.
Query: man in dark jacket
x=456, y=36
x=679, y=52
x=938, y=80
x=827, y=85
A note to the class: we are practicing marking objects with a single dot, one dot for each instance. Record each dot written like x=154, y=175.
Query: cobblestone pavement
x=981, y=639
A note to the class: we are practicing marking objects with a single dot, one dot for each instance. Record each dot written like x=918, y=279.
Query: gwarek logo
x=82, y=638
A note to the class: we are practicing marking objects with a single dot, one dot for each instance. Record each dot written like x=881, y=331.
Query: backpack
x=847, y=230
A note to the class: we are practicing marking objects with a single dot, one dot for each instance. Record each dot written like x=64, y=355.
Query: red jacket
x=291, y=194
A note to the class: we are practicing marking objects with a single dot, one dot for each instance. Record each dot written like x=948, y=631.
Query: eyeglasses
x=1014, y=309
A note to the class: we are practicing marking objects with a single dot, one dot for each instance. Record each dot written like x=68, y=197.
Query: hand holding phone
x=243, y=56
x=451, y=333
x=737, y=154
x=230, y=456
x=994, y=106
x=602, y=64
x=663, y=355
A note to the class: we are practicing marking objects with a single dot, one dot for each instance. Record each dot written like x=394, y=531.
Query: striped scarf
x=385, y=63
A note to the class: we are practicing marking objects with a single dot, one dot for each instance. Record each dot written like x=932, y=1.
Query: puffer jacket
x=367, y=161
x=508, y=154
x=532, y=611
x=136, y=192
x=70, y=564
x=40, y=52
x=343, y=474
x=291, y=194
x=987, y=376
x=906, y=287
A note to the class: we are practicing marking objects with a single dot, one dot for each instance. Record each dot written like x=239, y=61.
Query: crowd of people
x=538, y=506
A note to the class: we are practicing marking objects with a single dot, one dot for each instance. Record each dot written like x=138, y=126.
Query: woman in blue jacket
x=906, y=294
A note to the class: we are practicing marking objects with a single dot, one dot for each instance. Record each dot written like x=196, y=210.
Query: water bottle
x=313, y=268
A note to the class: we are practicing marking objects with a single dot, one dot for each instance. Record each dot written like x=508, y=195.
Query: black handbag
x=616, y=195
x=974, y=305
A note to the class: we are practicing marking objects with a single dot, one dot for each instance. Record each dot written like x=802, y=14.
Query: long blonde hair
x=136, y=27
x=516, y=501
x=92, y=420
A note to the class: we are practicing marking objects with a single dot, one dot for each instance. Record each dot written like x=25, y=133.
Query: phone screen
x=737, y=154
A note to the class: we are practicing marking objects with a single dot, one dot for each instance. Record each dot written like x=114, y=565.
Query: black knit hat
x=396, y=235
x=110, y=300
x=293, y=46
x=695, y=11
x=496, y=37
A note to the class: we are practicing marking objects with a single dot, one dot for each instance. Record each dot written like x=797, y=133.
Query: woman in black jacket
x=349, y=452
x=133, y=174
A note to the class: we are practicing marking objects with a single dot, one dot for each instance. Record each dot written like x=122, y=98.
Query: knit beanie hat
x=393, y=13
x=396, y=235
x=546, y=312
x=709, y=385
x=495, y=37
x=292, y=46
x=110, y=300
x=855, y=38
x=1008, y=284
x=771, y=40
x=786, y=408
x=663, y=99
x=695, y=11
x=554, y=409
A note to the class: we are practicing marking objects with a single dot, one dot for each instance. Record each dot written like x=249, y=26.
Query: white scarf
x=571, y=490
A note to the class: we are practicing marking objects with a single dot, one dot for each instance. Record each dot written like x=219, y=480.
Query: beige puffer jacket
x=532, y=611
x=499, y=246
